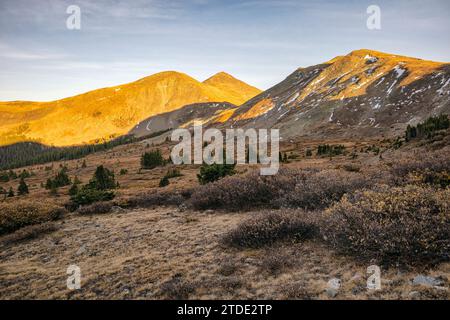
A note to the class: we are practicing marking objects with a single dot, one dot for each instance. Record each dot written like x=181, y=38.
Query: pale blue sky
x=260, y=42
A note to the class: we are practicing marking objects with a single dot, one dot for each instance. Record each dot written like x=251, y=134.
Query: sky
x=258, y=41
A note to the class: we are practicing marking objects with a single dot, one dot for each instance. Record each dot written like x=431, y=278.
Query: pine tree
x=83, y=165
x=10, y=193
x=76, y=180
x=103, y=179
x=164, y=181
x=73, y=189
x=23, y=188
x=152, y=159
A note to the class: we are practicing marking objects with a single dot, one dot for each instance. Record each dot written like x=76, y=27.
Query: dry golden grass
x=21, y=213
x=164, y=252
x=109, y=112
x=136, y=255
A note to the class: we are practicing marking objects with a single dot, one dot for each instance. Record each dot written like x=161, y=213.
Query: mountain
x=109, y=112
x=204, y=113
x=365, y=93
x=236, y=89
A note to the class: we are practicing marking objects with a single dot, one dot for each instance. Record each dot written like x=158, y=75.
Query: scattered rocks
x=333, y=287
x=427, y=281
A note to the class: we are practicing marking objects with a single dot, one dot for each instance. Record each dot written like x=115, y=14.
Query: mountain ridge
x=364, y=93
x=109, y=112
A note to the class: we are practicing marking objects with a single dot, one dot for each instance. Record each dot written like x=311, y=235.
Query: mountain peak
x=230, y=84
x=220, y=76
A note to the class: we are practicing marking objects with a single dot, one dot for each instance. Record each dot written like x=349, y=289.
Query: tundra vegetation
x=384, y=203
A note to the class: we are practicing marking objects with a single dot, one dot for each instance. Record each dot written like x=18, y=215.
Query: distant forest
x=31, y=153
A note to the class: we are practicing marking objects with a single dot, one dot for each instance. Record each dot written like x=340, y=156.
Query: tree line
x=31, y=153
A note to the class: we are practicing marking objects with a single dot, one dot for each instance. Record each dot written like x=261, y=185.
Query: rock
x=333, y=287
x=81, y=250
x=427, y=281
x=209, y=211
x=332, y=293
x=182, y=208
x=334, y=283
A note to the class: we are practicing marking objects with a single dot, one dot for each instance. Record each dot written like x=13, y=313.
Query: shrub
x=123, y=172
x=243, y=192
x=87, y=195
x=394, y=226
x=214, y=172
x=29, y=233
x=350, y=167
x=269, y=227
x=14, y=216
x=152, y=159
x=177, y=288
x=307, y=189
x=173, y=173
x=23, y=188
x=164, y=182
x=4, y=177
x=318, y=190
x=431, y=168
x=24, y=174
x=96, y=208
x=275, y=262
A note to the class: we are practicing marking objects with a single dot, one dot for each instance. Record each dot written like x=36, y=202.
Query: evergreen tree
x=73, y=189
x=164, y=181
x=24, y=174
x=60, y=180
x=10, y=193
x=213, y=172
x=76, y=180
x=103, y=179
x=23, y=188
x=152, y=159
